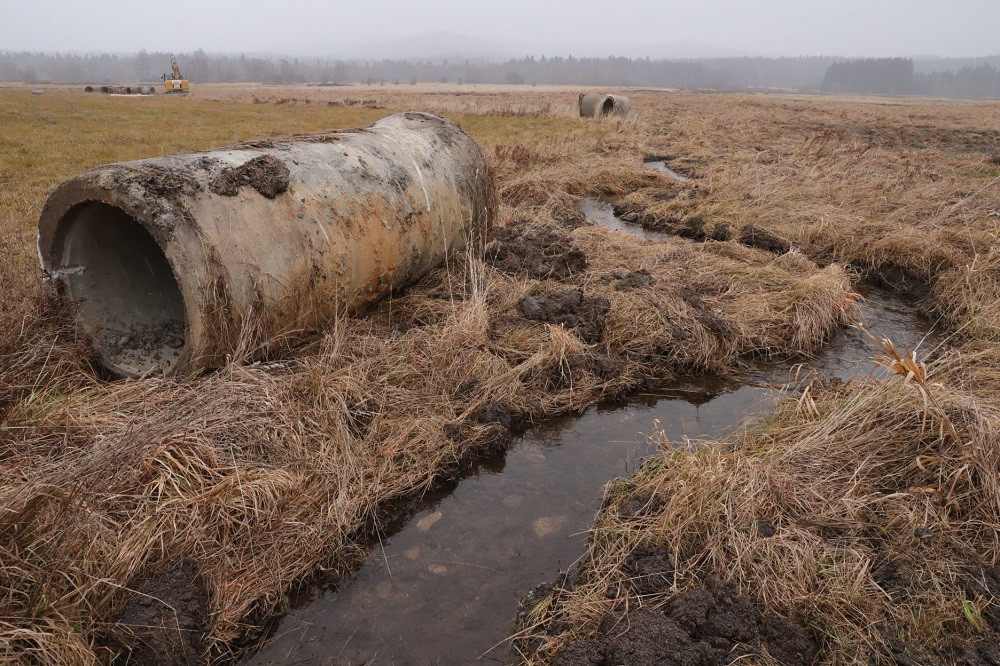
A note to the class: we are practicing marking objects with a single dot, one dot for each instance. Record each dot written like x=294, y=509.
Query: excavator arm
x=177, y=84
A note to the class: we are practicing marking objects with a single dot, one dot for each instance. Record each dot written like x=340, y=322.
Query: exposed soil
x=540, y=253
x=709, y=319
x=571, y=309
x=149, y=338
x=266, y=174
x=753, y=236
x=905, y=282
x=638, y=279
x=708, y=625
x=165, y=622
x=722, y=231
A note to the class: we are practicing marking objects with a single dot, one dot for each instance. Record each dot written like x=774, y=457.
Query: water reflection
x=603, y=213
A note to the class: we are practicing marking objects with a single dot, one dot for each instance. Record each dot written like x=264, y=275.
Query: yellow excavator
x=175, y=83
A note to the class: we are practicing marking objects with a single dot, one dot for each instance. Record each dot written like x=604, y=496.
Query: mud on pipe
x=171, y=264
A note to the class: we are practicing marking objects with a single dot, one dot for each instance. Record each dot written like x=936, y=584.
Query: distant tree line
x=967, y=78
x=897, y=76
x=883, y=76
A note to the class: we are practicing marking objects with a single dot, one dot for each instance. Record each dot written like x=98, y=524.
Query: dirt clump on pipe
x=266, y=174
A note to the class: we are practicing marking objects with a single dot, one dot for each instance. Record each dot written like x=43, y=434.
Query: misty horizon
x=389, y=29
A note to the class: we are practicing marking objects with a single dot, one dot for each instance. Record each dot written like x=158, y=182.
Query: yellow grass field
x=256, y=475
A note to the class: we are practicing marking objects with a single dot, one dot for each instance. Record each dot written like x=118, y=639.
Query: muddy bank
x=165, y=622
x=712, y=625
x=536, y=252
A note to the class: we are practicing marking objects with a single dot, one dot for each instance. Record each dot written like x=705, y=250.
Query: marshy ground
x=859, y=519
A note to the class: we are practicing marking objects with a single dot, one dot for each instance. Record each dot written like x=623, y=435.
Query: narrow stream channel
x=661, y=165
x=443, y=588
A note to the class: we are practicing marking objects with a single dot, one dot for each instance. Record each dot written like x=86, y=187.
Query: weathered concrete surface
x=598, y=105
x=174, y=263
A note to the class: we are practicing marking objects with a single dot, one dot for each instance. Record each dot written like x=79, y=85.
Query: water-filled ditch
x=443, y=586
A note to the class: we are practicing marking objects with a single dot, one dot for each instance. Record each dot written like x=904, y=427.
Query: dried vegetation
x=232, y=486
x=861, y=517
x=860, y=520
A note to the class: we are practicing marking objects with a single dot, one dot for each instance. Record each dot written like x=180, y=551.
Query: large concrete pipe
x=173, y=263
x=597, y=105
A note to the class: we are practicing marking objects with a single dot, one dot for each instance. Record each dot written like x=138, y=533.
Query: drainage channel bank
x=443, y=587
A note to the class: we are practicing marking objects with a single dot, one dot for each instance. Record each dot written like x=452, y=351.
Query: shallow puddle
x=661, y=165
x=443, y=588
x=603, y=213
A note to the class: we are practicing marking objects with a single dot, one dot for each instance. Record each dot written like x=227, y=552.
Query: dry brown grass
x=884, y=493
x=903, y=189
x=262, y=473
x=884, y=499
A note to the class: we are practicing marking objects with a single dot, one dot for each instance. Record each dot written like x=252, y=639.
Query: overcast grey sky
x=510, y=27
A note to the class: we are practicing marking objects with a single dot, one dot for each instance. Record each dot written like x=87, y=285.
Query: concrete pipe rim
x=146, y=324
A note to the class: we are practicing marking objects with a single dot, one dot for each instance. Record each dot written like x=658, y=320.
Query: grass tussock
x=864, y=513
x=260, y=474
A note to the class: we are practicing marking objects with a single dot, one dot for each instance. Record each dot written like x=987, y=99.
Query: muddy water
x=603, y=213
x=661, y=165
x=443, y=587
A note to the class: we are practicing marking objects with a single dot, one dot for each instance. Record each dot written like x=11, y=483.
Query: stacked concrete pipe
x=598, y=105
x=173, y=264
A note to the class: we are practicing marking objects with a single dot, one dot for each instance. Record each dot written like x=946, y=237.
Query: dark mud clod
x=710, y=625
x=571, y=309
x=165, y=623
x=709, y=319
x=540, y=253
x=762, y=239
x=266, y=174
x=722, y=231
x=638, y=279
x=766, y=529
x=693, y=228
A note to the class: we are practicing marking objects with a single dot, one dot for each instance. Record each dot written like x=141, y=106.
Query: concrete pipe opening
x=181, y=263
x=127, y=297
x=599, y=105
